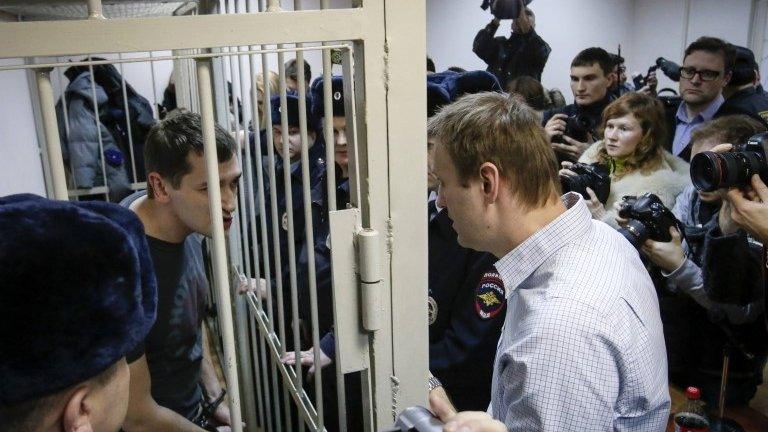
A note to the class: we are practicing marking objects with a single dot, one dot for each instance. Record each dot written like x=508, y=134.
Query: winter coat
x=80, y=146
x=667, y=182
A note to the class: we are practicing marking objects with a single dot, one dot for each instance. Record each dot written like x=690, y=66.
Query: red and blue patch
x=489, y=296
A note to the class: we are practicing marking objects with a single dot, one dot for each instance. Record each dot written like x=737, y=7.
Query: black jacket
x=749, y=101
x=467, y=309
x=509, y=58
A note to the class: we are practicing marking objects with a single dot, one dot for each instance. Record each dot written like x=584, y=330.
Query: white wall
x=568, y=26
x=658, y=29
x=646, y=29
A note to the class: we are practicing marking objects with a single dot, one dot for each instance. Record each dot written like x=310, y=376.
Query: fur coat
x=667, y=182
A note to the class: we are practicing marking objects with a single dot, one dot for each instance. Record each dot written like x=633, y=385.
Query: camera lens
x=636, y=232
x=706, y=171
x=711, y=171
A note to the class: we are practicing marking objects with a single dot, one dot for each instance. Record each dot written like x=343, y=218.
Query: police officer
x=742, y=95
x=322, y=253
x=316, y=152
x=466, y=300
x=77, y=292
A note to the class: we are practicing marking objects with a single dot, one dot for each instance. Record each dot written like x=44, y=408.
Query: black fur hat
x=337, y=97
x=292, y=102
x=471, y=82
x=77, y=292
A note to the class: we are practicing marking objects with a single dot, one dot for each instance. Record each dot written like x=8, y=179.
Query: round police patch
x=489, y=295
x=337, y=95
x=431, y=310
x=285, y=221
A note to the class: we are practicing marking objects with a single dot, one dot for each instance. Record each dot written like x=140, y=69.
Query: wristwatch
x=433, y=383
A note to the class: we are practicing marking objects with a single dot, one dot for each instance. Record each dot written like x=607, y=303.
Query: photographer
x=573, y=128
x=524, y=52
x=632, y=151
x=712, y=296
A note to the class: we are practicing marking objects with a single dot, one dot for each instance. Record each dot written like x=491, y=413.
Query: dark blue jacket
x=467, y=306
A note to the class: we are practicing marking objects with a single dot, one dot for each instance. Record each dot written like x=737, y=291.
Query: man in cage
x=175, y=212
x=66, y=327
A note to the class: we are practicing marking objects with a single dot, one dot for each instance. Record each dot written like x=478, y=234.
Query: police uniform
x=466, y=309
x=751, y=101
x=466, y=302
x=77, y=292
x=316, y=153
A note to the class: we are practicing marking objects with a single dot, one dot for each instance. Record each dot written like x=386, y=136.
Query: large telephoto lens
x=636, y=232
x=706, y=171
x=712, y=171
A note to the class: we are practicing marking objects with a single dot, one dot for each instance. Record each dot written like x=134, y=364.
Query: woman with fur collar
x=634, y=130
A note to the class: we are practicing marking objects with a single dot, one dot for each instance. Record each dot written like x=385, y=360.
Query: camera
x=648, y=219
x=593, y=176
x=670, y=69
x=711, y=171
x=504, y=9
x=639, y=80
x=577, y=127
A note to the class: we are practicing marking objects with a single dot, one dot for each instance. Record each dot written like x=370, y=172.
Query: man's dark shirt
x=749, y=101
x=174, y=345
x=509, y=58
x=467, y=307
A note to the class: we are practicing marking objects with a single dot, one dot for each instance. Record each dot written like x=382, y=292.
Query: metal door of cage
x=379, y=253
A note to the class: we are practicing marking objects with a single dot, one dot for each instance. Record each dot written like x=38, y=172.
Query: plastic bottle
x=692, y=418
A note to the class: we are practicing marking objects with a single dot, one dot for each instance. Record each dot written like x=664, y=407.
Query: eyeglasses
x=704, y=74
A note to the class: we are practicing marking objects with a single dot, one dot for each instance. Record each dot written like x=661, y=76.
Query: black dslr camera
x=577, y=127
x=593, y=176
x=711, y=171
x=648, y=219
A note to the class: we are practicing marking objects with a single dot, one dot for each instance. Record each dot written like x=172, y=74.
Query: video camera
x=504, y=9
x=711, y=171
x=577, y=126
x=594, y=176
x=670, y=69
x=648, y=219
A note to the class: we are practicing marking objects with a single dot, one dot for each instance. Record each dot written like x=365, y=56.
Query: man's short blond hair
x=495, y=128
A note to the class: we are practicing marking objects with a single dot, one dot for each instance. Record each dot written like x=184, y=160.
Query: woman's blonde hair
x=649, y=112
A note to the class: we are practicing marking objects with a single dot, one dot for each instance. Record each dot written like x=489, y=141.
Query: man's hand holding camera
x=747, y=206
x=593, y=203
x=571, y=148
x=668, y=256
x=749, y=209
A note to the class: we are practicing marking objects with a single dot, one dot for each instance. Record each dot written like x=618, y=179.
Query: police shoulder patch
x=489, y=295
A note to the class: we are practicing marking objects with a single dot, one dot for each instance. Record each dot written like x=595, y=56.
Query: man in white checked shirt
x=582, y=347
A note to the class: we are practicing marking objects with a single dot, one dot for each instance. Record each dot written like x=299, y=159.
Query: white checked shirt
x=582, y=347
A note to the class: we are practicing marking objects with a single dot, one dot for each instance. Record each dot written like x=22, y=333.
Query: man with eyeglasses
x=704, y=74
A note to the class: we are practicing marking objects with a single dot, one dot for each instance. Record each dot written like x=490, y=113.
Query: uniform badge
x=285, y=221
x=337, y=96
x=489, y=295
x=328, y=242
x=431, y=310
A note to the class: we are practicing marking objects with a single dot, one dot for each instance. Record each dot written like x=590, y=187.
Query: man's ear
x=159, y=187
x=727, y=78
x=491, y=178
x=77, y=413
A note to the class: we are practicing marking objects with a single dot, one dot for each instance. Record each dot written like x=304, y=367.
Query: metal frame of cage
x=380, y=243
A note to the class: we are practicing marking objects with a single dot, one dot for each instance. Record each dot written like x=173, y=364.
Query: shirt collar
x=706, y=115
x=523, y=260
